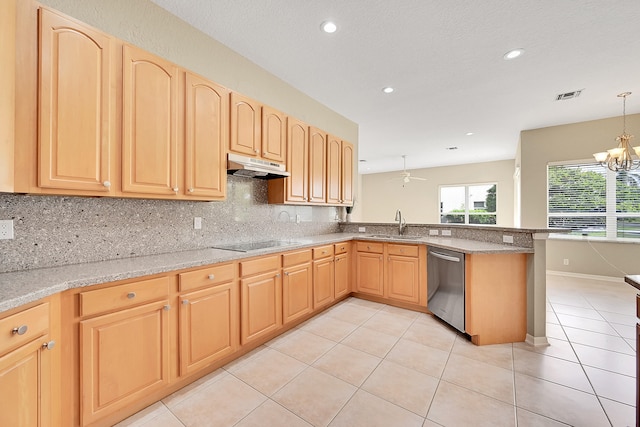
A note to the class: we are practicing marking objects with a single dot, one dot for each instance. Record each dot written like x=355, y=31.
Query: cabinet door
x=77, y=106
x=261, y=308
x=317, y=165
x=403, y=278
x=25, y=386
x=208, y=326
x=341, y=285
x=124, y=356
x=297, y=161
x=334, y=157
x=297, y=292
x=370, y=273
x=149, y=124
x=206, y=137
x=323, y=279
x=245, y=137
x=274, y=135
x=347, y=173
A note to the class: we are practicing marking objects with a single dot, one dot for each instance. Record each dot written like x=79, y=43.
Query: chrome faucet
x=402, y=224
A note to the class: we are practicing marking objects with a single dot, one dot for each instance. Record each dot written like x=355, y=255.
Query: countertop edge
x=18, y=288
x=633, y=280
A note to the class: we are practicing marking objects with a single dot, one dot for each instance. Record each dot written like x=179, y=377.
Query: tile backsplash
x=53, y=230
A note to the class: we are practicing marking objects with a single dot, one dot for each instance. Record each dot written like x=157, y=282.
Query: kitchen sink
x=393, y=236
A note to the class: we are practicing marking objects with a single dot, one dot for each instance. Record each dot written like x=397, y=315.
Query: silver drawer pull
x=131, y=295
x=48, y=345
x=106, y=184
x=167, y=307
x=185, y=301
x=211, y=276
x=20, y=330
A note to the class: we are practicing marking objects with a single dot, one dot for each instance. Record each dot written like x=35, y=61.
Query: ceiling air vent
x=569, y=95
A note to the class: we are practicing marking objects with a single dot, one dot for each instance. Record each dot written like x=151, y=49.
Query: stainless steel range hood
x=254, y=168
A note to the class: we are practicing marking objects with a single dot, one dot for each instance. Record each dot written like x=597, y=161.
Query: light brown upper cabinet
x=317, y=166
x=339, y=171
x=295, y=188
x=149, y=124
x=206, y=133
x=246, y=130
x=77, y=101
x=274, y=135
x=346, y=177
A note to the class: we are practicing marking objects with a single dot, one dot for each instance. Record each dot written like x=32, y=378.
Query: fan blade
x=418, y=178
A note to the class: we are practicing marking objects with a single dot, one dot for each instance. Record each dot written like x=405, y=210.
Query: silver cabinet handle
x=106, y=184
x=191, y=190
x=211, y=276
x=278, y=275
x=20, y=330
x=176, y=189
x=131, y=295
x=48, y=345
x=185, y=301
x=286, y=273
x=167, y=307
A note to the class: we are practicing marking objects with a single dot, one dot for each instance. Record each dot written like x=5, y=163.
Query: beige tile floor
x=367, y=364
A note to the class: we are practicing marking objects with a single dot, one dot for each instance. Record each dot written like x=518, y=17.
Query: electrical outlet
x=566, y=261
x=361, y=229
x=197, y=223
x=433, y=232
x=6, y=229
x=297, y=218
x=507, y=239
x=446, y=232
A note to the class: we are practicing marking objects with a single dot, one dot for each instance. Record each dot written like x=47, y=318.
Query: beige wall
x=576, y=141
x=150, y=27
x=381, y=194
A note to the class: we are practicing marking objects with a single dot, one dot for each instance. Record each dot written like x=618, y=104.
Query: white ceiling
x=444, y=59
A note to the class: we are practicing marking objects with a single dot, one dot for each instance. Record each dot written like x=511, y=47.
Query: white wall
x=576, y=141
x=381, y=194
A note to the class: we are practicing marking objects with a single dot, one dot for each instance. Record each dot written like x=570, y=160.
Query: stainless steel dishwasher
x=445, y=286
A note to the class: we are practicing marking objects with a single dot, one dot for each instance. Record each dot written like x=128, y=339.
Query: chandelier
x=621, y=158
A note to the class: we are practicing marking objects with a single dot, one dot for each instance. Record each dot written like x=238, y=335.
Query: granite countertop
x=21, y=287
x=633, y=280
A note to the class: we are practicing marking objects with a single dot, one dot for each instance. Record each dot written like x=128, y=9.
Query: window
x=468, y=204
x=591, y=200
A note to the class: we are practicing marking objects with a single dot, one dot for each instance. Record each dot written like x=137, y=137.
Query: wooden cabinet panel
x=295, y=188
x=404, y=278
x=495, y=304
x=341, y=248
x=77, y=106
x=245, y=136
x=259, y=265
x=149, y=122
x=261, y=306
x=209, y=321
x=323, y=252
x=317, y=166
x=206, y=137
x=123, y=296
x=295, y=258
x=22, y=327
x=297, y=291
x=274, y=135
x=370, y=273
x=124, y=356
x=334, y=170
x=342, y=269
x=347, y=173
x=213, y=275
x=323, y=282
x=402, y=250
x=25, y=386
x=370, y=247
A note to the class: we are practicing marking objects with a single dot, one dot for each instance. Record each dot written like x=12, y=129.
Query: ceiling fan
x=405, y=175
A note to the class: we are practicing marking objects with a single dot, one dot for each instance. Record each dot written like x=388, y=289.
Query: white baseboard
x=586, y=276
x=536, y=341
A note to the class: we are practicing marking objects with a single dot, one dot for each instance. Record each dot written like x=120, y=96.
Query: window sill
x=559, y=236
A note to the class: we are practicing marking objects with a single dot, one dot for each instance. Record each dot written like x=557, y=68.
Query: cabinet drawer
x=260, y=265
x=121, y=296
x=206, y=276
x=370, y=247
x=404, y=250
x=341, y=248
x=295, y=258
x=638, y=306
x=23, y=327
x=323, y=252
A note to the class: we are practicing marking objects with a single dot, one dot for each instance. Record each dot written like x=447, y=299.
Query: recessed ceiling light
x=329, y=27
x=513, y=54
x=469, y=133
x=387, y=89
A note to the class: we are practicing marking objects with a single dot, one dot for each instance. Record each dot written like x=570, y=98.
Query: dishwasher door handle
x=445, y=257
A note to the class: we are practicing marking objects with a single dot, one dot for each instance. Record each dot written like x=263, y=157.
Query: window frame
x=610, y=213
x=466, y=203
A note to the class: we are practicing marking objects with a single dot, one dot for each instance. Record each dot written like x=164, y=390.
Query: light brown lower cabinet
x=323, y=276
x=370, y=268
x=25, y=368
x=342, y=270
x=297, y=285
